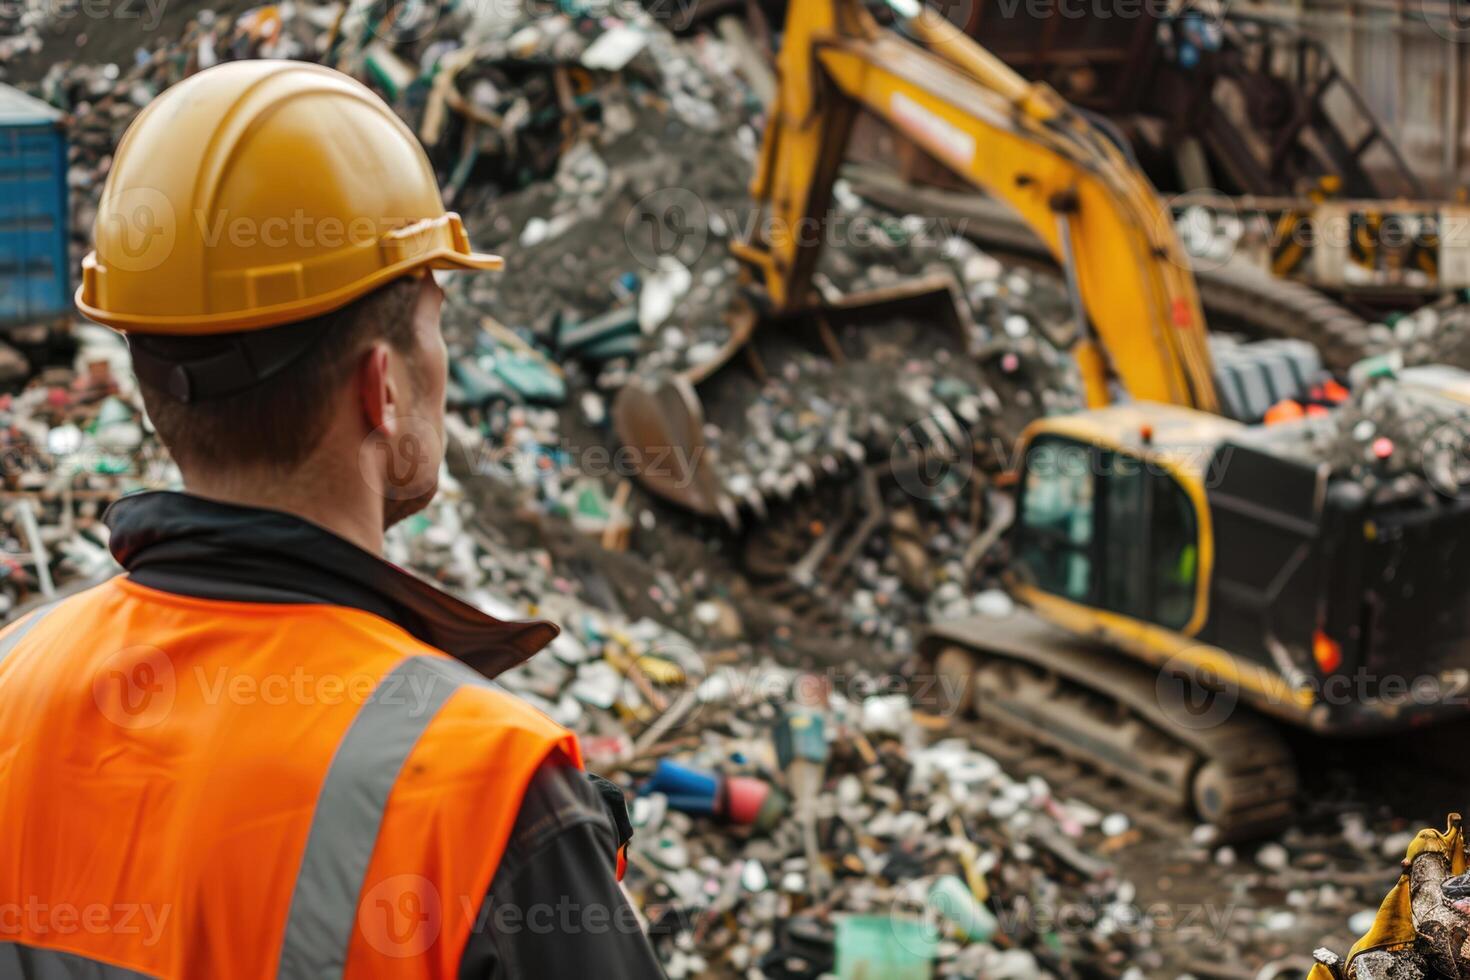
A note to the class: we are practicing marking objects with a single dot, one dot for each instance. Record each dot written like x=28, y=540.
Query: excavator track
x=1022, y=758
x=1054, y=697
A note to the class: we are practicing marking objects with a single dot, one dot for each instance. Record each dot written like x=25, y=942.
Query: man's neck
x=343, y=504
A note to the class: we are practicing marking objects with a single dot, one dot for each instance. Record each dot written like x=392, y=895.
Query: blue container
x=699, y=806
x=688, y=788
x=34, y=280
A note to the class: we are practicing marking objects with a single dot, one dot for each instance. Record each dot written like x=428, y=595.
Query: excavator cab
x=1112, y=513
x=1183, y=578
x=1108, y=529
x=1237, y=556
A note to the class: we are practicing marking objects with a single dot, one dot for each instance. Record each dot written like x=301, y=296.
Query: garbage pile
x=652, y=293
x=615, y=212
x=1435, y=334
x=18, y=34
x=808, y=821
x=549, y=126
x=789, y=822
x=578, y=279
x=71, y=442
x=1399, y=434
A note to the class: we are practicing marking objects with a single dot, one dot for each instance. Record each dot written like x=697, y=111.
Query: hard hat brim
x=480, y=261
x=439, y=243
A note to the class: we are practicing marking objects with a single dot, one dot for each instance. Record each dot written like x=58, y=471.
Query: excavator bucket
x=668, y=420
x=689, y=430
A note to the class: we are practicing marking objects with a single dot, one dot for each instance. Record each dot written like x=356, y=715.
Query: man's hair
x=280, y=420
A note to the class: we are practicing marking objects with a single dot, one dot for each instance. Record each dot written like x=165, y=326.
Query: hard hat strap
x=194, y=369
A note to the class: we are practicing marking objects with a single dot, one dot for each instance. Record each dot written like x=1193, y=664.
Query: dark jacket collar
x=188, y=545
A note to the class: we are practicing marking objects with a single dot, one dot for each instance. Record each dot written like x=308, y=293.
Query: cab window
x=1125, y=569
x=1057, y=505
x=1173, y=553
x=1109, y=530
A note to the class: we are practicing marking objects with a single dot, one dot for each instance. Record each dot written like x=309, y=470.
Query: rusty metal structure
x=1243, y=105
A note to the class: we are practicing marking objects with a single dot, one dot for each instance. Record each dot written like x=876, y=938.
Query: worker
x=262, y=750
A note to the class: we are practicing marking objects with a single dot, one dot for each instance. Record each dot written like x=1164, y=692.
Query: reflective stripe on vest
x=350, y=810
x=12, y=639
x=33, y=963
x=161, y=769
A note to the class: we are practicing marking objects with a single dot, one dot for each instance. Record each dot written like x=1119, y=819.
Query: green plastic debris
x=506, y=368
x=613, y=347
x=389, y=71
x=417, y=525
x=876, y=947
x=602, y=337
x=592, y=509
x=112, y=466
x=952, y=899
x=800, y=734
x=1379, y=366
x=478, y=386
x=530, y=377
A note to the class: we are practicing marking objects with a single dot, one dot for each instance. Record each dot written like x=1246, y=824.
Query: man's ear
x=376, y=389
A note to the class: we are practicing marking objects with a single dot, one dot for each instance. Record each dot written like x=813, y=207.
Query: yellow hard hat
x=259, y=193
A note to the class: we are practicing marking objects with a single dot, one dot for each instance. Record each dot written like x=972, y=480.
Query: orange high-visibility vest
x=193, y=788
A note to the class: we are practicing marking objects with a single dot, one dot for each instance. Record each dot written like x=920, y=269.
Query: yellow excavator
x=1185, y=580
x=1019, y=142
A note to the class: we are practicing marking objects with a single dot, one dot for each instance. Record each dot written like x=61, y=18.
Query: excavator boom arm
x=1019, y=142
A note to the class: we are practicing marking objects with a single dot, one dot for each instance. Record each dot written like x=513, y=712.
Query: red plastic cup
x=744, y=797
